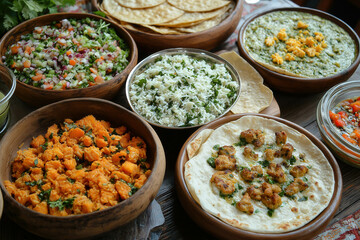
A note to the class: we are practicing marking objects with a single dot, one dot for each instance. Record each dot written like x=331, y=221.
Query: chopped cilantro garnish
x=302, y=199
x=211, y=162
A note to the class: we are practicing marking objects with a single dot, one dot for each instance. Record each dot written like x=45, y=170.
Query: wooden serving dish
x=90, y=224
x=38, y=97
x=217, y=228
x=298, y=85
x=206, y=40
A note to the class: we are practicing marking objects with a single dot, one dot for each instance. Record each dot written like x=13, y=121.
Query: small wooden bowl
x=298, y=85
x=206, y=40
x=90, y=224
x=38, y=97
x=217, y=227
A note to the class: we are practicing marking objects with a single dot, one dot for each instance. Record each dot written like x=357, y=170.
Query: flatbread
x=158, y=14
x=254, y=96
x=292, y=214
x=194, y=146
x=140, y=3
x=198, y=5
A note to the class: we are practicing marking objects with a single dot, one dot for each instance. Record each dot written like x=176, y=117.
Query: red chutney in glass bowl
x=345, y=116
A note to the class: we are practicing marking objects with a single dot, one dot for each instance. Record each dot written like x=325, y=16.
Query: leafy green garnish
x=302, y=199
x=44, y=195
x=216, y=147
x=100, y=13
x=270, y=212
x=68, y=203
x=264, y=163
x=292, y=160
x=211, y=162
x=71, y=180
x=241, y=143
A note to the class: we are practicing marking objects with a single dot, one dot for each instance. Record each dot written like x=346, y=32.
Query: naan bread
x=292, y=214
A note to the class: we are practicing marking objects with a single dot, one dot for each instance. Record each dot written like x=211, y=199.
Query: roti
x=198, y=5
x=140, y=3
x=267, y=202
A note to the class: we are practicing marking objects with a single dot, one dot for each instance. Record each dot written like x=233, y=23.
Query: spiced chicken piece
x=245, y=205
x=296, y=186
x=224, y=181
x=287, y=150
x=254, y=192
x=249, y=153
x=224, y=162
x=298, y=171
x=280, y=137
x=269, y=154
x=270, y=198
x=276, y=171
x=255, y=137
x=227, y=150
x=258, y=169
x=248, y=175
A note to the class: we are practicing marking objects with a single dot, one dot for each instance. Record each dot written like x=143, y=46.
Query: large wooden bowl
x=217, y=227
x=206, y=40
x=300, y=85
x=91, y=224
x=38, y=97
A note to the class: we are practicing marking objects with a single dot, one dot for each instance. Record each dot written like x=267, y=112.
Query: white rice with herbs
x=181, y=90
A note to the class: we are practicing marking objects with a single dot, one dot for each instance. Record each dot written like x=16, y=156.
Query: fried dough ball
x=227, y=150
x=248, y=175
x=223, y=162
x=270, y=197
x=287, y=150
x=249, y=153
x=296, y=186
x=245, y=205
x=224, y=181
x=276, y=171
x=298, y=171
x=280, y=137
x=257, y=169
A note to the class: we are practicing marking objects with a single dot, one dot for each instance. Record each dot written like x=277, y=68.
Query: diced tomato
x=72, y=62
x=355, y=106
x=333, y=116
x=339, y=123
x=343, y=114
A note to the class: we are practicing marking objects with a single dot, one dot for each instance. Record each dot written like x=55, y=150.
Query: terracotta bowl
x=206, y=40
x=90, y=224
x=38, y=97
x=217, y=228
x=300, y=85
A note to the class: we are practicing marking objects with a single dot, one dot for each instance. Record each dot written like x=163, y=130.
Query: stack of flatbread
x=168, y=16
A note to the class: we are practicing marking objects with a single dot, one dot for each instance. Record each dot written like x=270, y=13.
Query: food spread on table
x=168, y=17
x=79, y=167
x=299, y=44
x=68, y=54
x=182, y=90
x=345, y=117
x=260, y=175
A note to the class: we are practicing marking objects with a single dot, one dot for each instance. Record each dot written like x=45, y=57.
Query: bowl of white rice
x=182, y=88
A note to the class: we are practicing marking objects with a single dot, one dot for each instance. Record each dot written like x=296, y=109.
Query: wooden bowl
x=206, y=40
x=38, y=97
x=298, y=85
x=217, y=227
x=90, y=224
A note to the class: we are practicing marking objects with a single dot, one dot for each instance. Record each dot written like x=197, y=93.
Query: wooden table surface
x=300, y=109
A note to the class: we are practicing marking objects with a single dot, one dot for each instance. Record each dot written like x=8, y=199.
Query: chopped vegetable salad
x=69, y=54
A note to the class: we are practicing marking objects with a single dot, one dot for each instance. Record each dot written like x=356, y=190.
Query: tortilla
x=158, y=14
x=198, y=5
x=140, y=3
x=293, y=213
x=193, y=147
x=254, y=96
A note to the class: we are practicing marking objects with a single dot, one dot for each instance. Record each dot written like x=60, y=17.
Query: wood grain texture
x=300, y=85
x=38, y=97
x=206, y=40
x=85, y=225
x=216, y=227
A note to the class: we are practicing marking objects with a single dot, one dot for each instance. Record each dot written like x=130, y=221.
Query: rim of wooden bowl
x=158, y=165
x=301, y=80
x=14, y=35
x=217, y=227
x=234, y=16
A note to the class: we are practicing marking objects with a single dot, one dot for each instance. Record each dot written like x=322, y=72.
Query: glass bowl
x=343, y=149
x=192, y=52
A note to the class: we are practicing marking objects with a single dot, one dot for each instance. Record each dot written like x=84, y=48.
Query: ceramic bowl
x=300, y=85
x=37, y=96
x=89, y=224
x=218, y=228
